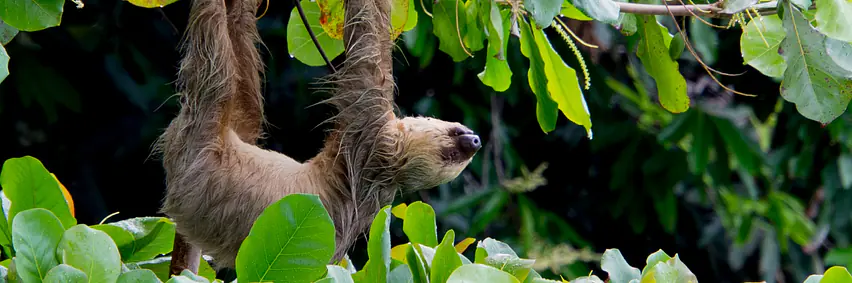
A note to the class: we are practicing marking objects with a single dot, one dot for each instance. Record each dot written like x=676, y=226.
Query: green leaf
x=653, y=52
x=195, y=278
x=840, y=52
x=446, y=259
x=652, y=260
x=562, y=84
x=760, y=54
x=35, y=234
x=704, y=39
x=28, y=184
x=543, y=11
x=141, y=238
x=832, y=17
x=606, y=11
x=474, y=33
x=497, y=73
x=339, y=274
x=744, y=150
x=64, y=273
x=299, y=43
x=331, y=17
x=419, y=224
x=448, y=31
x=91, y=251
x=412, y=17
x=378, y=247
x=32, y=15
x=416, y=265
x=519, y=267
x=291, y=240
x=4, y=64
x=401, y=274
x=613, y=263
x=151, y=3
x=802, y=4
x=673, y=270
x=572, y=12
x=138, y=276
x=819, y=87
x=702, y=138
x=160, y=267
x=546, y=110
x=676, y=47
x=470, y=273
x=7, y=33
x=836, y=274
x=491, y=247
x=590, y=279
x=813, y=279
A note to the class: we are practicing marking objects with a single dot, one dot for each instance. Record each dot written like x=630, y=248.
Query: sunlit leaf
x=419, y=224
x=378, y=247
x=299, y=42
x=462, y=245
x=400, y=12
x=474, y=34
x=836, y=274
x=832, y=17
x=151, y=3
x=614, y=264
x=652, y=260
x=416, y=265
x=399, y=252
x=331, y=17
x=35, y=234
x=543, y=11
x=446, y=259
x=760, y=54
x=64, y=273
x=568, y=10
x=819, y=87
x=653, y=52
x=282, y=230
x=28, y=184
x=470, y=273
x=562, y=84
x=412, y=17
x=91, y=251
x=31, y=15
x=448, y=31
x=497, y=73
x=546, y=110
x=602, y=10
x=840, y=52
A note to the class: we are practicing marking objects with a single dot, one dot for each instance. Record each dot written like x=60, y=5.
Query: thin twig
x=313, y=37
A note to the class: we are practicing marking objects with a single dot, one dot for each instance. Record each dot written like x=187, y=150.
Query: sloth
x=219, y=180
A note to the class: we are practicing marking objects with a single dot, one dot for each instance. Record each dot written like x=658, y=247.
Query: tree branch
x=709, y=10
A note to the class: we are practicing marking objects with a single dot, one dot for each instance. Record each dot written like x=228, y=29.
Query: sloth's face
x=430, y=151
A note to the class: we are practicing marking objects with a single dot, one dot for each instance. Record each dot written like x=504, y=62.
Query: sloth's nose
x=469, y=144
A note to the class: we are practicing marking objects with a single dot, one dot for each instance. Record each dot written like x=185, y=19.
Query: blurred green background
x=742, y=188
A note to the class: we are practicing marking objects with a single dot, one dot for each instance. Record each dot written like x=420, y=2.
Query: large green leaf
x=543, y=11
x=91, y=251
x=299, y=42
x=292, y=240
x=446, y=259
x=491, y=247
x=151, y=3
x=836, y=274
x=64, y=273
x=448, y=31
x=602, y=10
x=378, y=247
x=28, y=184
x=474, y=34
x=419, y=224
x=819, y=87
x=35, y=234
x=832, y=17
x=614, y=264
x=138, y=276
x=31, y=15
x=7, y=33
x=760, y=54
x=497, y=73
x=148, y=237
x=654, y=53
x=471, y=273
x=520, y=268
x=562, y=84
x=840, y=52
x=546, y=110
x=416, y=265
x=401, y=274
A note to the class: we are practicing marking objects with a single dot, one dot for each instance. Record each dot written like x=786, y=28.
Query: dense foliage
x=291, y=241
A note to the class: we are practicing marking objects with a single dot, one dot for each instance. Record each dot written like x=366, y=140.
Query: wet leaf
x=299, y=42
x=28, y=184
x=819, y=87
x=35, y=234
x=148, y=237
x=760, y=54
x=653, y=52
x=91, y=251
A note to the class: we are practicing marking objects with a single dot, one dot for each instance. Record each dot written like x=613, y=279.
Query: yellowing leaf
x=462, y=246
x=400, y=12
x=65, y=193
x=399, y=252
x=562, y=84
x=151, y=3
x=331, y=17
x=654, y=53
x=399, y=210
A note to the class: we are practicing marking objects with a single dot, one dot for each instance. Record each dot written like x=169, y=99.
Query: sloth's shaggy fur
x=219, y=180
